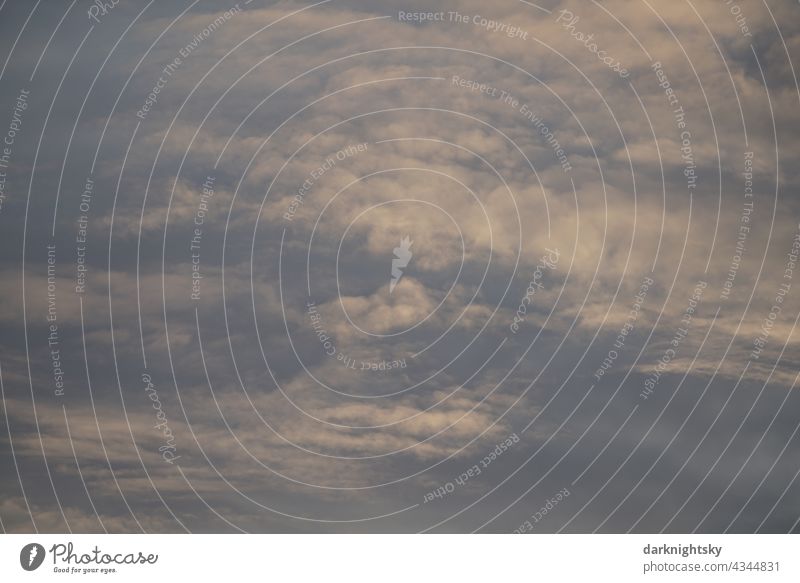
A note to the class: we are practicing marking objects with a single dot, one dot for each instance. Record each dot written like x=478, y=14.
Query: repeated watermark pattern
x=396, y=267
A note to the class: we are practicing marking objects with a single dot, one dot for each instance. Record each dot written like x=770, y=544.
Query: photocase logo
x=402, y=257
x=31, y=556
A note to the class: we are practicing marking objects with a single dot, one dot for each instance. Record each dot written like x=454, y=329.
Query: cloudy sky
x=399, y=266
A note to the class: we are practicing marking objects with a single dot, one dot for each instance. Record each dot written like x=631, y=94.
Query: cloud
x=288, y=150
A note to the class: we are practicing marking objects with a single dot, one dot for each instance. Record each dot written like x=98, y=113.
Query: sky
x=398, y=266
